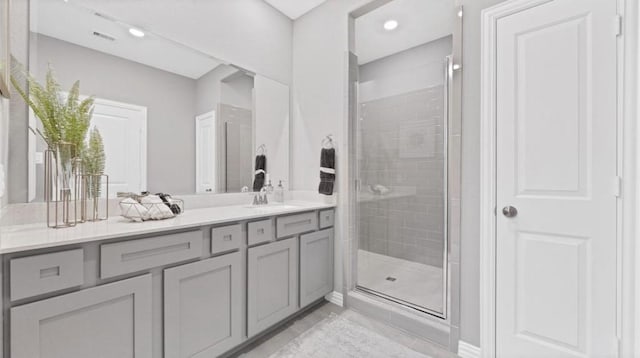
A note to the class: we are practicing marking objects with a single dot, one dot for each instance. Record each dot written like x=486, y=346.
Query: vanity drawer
x=35, y=275
x=259, y=232
x=296, y=224
x=326, y=218
x=136, y=255
x=226, y=238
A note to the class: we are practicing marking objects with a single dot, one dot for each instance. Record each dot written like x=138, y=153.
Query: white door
x=206, y=153
x=124, y=131
x=556, y=164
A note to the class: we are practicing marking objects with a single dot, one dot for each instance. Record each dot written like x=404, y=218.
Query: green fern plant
x=44, y=101
x=77, y=118
x=63, y=121
x=93, y=161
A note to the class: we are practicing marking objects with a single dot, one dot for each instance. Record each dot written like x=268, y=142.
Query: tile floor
x=414, y=282
x=271, y=343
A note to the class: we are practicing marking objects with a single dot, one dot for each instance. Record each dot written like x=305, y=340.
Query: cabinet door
x=109, y=321
x=316, y=266
x=202, y=307
x=273, y=284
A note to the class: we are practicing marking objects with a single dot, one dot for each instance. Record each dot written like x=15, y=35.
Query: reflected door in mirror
x=124, y=131
x=205, y=153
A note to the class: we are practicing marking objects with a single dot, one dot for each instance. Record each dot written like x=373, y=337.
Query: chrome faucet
x=261, y=197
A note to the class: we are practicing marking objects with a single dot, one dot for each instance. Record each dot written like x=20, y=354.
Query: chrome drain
x=390, y=279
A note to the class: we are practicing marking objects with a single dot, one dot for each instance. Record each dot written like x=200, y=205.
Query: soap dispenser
x=269, y=187
x=279, y=193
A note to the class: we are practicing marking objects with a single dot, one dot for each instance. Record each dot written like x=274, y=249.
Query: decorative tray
x=139, y=209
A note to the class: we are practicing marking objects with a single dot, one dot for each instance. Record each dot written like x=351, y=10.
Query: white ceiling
x=76, y=24
x=294, y=8
x=419, y=22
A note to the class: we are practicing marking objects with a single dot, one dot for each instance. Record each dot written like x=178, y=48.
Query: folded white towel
x=381, y=189
x=157, y=209
x=133, y=210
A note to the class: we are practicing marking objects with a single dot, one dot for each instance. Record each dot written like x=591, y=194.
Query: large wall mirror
x=173, y=119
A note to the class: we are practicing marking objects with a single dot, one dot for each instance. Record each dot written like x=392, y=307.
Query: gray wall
x=224, y=84
x=208, y=91
x=18, y=110
x=412, y=59
x=237, y=91
x=4, y=149
x=170, y=100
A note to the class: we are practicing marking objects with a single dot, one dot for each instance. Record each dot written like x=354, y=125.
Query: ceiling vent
x=104, y=36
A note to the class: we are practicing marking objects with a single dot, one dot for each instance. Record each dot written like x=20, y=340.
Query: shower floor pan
x=412, y=282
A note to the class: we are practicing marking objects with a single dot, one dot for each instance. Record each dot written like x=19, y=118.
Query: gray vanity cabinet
x=272, y=286
x=203, y=307
x=108, y=321
x=166, y=295
x=316, y=266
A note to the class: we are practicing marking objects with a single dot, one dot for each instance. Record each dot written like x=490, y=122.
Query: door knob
x=509, y=211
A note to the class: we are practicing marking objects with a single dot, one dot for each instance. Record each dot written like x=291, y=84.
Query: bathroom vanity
x=199, y=285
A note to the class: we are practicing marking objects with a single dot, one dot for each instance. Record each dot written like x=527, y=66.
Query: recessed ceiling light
x=136, y=32
x=390, y=25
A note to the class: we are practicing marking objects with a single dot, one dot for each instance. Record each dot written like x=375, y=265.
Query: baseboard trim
x=336, y=298
x=467, y=350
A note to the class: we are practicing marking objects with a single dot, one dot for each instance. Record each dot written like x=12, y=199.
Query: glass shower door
x=402, y=165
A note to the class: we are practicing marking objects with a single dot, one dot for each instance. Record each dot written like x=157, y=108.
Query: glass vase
x=61, y=185
x=94, y=197
x=64, y=169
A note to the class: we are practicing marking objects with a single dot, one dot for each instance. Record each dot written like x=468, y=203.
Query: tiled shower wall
x=401, y=148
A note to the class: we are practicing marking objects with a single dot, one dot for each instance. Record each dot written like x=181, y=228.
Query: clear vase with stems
x=61, y=185
x=94, y=206
x=64, y=168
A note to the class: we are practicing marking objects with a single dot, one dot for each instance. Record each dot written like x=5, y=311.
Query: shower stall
x=405, y=144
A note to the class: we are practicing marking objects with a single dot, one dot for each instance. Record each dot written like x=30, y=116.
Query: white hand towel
x=157, y=209
x=133, y=210
x=381, y=189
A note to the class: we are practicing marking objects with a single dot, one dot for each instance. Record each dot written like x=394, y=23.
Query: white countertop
x=38, y=236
